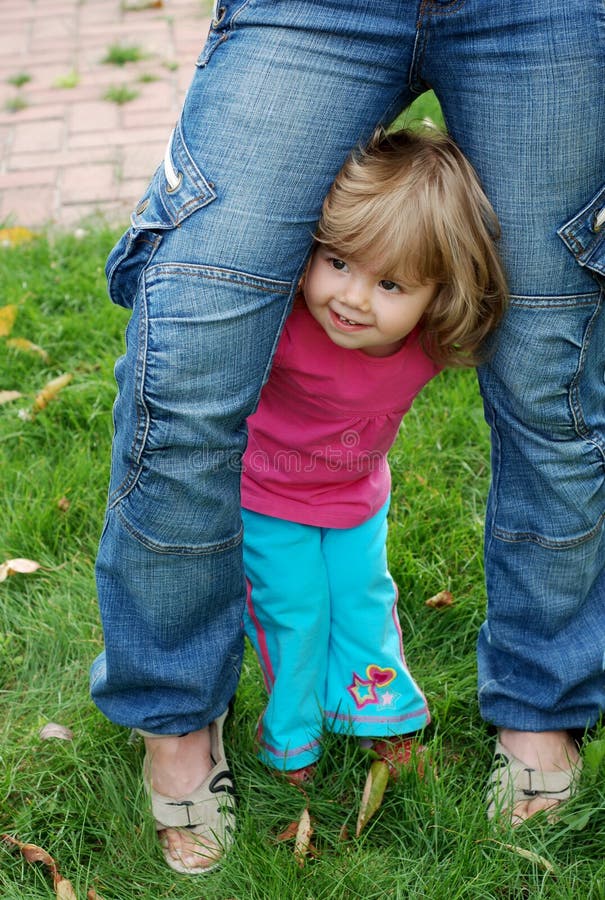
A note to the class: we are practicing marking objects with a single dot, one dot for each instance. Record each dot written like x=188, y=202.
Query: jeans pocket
x=125, y=263
x=177, y=190
x=198, y=346
x=584, y=234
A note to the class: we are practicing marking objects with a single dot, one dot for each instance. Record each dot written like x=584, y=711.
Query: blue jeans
x=281, y=91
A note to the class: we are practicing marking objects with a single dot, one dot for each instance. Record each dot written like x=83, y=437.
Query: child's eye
x=336, y=263
x=389, y=285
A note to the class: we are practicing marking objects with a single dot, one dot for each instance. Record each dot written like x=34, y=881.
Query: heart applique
x=380, y=677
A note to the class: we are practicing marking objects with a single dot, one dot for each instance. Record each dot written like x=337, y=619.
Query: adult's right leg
x=217, y=244
x=522, y=92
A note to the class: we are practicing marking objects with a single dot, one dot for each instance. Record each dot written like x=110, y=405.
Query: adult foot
x=534, y=771
x=177, y=769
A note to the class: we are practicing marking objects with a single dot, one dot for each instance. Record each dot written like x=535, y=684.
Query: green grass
x=15, y=104
x=68, y=81
x=120, y=54
x=120, y=94
x=19, y=79
x=83, y=801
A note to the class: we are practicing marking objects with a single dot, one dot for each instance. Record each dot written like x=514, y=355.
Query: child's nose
x=357, y=296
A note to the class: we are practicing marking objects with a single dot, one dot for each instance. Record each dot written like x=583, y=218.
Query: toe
x=521, y=812
x=190, y=850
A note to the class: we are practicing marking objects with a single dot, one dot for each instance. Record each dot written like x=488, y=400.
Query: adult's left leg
x=522, y=92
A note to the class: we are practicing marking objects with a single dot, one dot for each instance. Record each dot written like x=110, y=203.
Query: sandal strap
x=512, y=781
x=203, y=807
x=532, y=782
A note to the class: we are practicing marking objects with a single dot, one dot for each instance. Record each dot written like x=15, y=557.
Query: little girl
x=403, y=280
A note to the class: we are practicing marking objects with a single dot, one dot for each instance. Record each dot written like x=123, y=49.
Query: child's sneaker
x=300, y=776
x=400, y=753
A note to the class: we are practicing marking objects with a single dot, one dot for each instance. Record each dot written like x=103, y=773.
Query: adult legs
x=523, y=95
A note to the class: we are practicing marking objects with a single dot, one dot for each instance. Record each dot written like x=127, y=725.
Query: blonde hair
x=412, y=204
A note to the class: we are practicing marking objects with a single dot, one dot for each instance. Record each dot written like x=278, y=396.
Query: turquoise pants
x=322, y=616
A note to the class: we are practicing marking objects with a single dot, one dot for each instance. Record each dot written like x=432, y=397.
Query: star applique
x=363, y=691
x=388, y=699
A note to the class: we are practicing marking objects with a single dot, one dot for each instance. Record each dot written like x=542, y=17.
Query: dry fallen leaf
x=28, y=347
x=34, y=854
x=289, y=832
x=54, y=730
x=527, y=854
x=373, y=792
x=31, y=853
x=91, y=894
x=64, y=890
x=343, y=834
x=8, y=314
x=443, y=598
x=302, y=840
x=50, y=391
x=8, y=396
x=63, y=504
x=17, y=567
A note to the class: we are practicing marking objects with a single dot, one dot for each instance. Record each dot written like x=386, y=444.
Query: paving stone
x=88, y=183
x=96, y=115
x=65, y=159
x=69, y=154
x=38, y=133
x=34, y=207
x=120, y=138
x=29, y=178
x=141, y=161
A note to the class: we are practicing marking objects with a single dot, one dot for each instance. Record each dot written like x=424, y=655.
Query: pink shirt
x=326, y=419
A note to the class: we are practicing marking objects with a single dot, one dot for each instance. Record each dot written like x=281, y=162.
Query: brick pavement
x=68, y=154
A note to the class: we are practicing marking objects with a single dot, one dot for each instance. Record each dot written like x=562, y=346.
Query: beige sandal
x=208, y=812
x=512, y=781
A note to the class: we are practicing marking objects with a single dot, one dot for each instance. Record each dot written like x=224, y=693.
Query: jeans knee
x=544, y=397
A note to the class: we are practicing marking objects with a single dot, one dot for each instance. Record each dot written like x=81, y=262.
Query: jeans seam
x=516, y=537
x=570, y=301
x=180, y=549
x=496, y=470
x=142, y=423
x=286, y=311
x=574, y=391
x=218, y=273
x=238, y=13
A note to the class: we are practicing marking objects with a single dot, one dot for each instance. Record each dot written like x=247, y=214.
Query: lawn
x=81, y=800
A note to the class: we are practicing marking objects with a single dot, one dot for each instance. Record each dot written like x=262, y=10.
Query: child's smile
x=346, y=324
x=360, y=308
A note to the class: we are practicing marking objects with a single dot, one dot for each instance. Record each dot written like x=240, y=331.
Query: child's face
x=358, y=307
